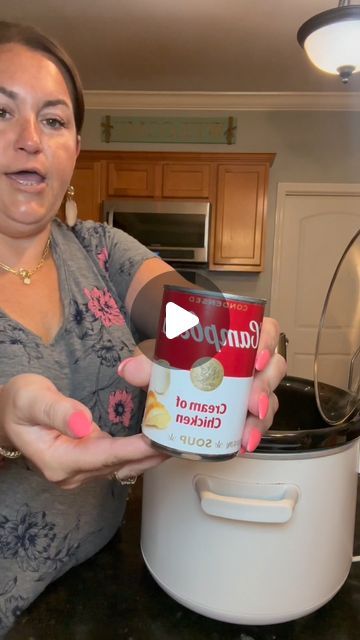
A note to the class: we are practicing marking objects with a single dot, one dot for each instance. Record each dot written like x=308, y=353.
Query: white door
x=314, y=224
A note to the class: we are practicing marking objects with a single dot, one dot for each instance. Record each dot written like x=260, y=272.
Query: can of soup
x=198, y=393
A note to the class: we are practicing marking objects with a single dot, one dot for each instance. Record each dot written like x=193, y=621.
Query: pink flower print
x=120, y=407
x=103, y=258
x=104, y=307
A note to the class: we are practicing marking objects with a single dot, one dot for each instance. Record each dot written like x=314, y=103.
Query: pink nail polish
x=242, y=450
x=262, y=359
x=254, y=440
x=79, y=424
x=263, y=406
x=122, y=365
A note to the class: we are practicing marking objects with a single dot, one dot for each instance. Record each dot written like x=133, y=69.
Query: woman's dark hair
x=28, y=36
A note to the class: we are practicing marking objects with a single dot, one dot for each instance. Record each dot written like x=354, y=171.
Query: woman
x=65, y=303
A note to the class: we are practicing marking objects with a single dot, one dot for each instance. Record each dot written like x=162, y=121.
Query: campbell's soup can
x=198, y=393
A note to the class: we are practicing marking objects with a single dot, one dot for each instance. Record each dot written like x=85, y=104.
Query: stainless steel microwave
x=176, y=230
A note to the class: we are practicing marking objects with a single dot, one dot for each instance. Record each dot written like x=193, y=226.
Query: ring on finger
x=130, y=480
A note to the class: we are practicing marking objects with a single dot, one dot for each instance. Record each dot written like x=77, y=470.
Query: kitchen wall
x=310, y=146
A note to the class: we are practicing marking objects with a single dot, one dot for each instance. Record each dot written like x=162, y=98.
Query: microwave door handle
x=110, y=218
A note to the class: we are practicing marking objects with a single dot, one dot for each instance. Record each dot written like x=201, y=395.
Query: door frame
x=285, y=189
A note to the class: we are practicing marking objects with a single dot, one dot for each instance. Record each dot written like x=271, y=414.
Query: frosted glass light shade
x=335, y=45
x=331, y=40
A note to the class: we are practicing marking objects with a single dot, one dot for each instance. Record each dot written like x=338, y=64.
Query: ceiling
x=184, y=45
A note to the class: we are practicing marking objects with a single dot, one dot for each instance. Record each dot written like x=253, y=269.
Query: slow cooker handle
x=268, y=503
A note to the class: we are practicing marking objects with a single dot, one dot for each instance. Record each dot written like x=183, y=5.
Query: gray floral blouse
x=45, y=530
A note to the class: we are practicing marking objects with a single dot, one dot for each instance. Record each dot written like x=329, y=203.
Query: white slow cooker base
x=241, y=618
x=257, y=572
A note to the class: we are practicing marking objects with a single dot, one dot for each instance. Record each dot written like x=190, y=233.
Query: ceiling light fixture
x=331, y=40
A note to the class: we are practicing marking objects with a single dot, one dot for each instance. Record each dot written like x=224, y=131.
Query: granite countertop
x=113, y=596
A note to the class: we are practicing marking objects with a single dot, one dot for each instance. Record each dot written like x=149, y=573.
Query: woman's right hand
x=58, y=436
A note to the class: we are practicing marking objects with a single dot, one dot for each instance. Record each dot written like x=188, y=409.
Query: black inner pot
x=298, y=425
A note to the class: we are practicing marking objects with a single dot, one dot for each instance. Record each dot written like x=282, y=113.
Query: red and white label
x=200, y=383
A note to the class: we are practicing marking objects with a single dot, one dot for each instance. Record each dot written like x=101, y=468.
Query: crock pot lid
x=337, y=352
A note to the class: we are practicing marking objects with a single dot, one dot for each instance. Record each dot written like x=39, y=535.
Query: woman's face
x=38, y=140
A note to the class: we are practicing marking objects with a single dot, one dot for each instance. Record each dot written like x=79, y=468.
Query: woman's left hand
x=270, y=368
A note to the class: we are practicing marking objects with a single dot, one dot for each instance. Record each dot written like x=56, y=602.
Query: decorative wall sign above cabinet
x=171, y=130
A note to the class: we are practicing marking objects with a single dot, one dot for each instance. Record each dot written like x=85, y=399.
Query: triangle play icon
x=178, y=320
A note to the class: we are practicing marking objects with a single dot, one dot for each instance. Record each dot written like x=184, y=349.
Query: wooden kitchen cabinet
x=133, y=179
x=240, y=216
x=88, y=182
x=182, y=180
x=156, y=179
x=235, y=184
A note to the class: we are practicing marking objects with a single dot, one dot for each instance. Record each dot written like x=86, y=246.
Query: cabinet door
x=87, y=180
x=132, y=179
x=186, y=180
x=240, y=216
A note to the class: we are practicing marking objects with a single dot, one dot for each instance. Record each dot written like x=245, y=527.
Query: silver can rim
x=215, y=294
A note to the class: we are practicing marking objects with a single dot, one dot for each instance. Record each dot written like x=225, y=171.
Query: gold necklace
x=26, y=274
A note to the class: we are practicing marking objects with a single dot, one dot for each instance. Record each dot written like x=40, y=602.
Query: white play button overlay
x=175, y=319
x=178, y=320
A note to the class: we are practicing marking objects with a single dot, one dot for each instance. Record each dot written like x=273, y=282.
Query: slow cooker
x=267, y=537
